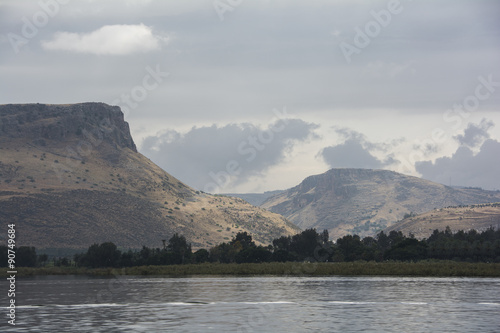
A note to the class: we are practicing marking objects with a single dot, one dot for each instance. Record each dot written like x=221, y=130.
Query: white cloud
x=107, y=40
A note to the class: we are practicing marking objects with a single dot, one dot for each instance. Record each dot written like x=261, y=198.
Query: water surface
x=256, y=304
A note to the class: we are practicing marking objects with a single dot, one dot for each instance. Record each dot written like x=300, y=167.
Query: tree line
x=307, y=246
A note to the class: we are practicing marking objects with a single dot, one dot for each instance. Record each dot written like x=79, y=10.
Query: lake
x=254, y=304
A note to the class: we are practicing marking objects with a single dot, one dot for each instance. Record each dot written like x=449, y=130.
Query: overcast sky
x=255, y=95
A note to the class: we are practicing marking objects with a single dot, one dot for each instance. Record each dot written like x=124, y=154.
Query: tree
x=351, y=247
x=253, y=255
x=42, y=258
x=408, y=249
x=305, y=244
x=223, y=253
x=180, y=248
x=109, y=254
x=201, y=256
x=26, y=256
x=104, y=255
x=244, y=239
x=282, y=243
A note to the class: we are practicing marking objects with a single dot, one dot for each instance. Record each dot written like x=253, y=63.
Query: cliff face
x=65, y=123
x=70, y=176
x=364, y=201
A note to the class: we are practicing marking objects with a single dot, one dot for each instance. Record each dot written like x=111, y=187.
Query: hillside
x=255, y=199
x=363, y=201
x=478, y=217
x=71, y=176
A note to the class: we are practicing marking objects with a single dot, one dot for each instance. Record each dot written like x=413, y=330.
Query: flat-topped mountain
x=71, y=176
x=363, y=201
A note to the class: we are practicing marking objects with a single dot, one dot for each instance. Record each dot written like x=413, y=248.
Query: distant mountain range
x=70, y=176
x=364, y=201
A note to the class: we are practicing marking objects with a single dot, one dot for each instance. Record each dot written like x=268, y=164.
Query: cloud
x=215, y=158
x=355, y=152
x=464, y=168
x=475, y=135
x=107, y=40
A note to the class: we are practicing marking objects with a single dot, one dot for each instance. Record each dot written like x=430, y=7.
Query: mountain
x=478, y=217
x=71, y=176
x=364, y=201
x=255, y=199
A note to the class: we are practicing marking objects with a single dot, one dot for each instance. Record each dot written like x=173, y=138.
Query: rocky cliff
x=65, y=123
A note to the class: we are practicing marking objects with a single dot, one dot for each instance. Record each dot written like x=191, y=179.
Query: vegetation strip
x=358, y=268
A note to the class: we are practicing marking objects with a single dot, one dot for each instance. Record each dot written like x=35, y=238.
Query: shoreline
x=358, y=268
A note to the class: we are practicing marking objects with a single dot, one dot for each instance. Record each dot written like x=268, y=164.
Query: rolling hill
x=71, y=176
x=364, y=201
x=478, y=217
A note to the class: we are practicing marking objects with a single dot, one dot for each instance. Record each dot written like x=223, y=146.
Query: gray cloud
x=464, y=168
x=475, y=135
x=256, y=56
x=264, y=53
x=215, y=158
x=355, y=152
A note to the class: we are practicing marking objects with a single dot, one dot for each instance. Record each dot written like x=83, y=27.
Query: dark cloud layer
x=464, y=168
x=474, y=135
x=350, y=154
x=355, y=152
x=214, y=158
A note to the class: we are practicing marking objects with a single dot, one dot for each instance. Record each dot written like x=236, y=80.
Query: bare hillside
x=363, y=201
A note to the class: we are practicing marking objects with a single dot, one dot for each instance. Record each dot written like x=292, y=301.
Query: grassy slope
x=478, y=217
x=114, y=194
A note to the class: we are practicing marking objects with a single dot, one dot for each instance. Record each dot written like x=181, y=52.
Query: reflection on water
x=256, y=304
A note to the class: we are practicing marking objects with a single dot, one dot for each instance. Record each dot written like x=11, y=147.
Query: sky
x=249, y=96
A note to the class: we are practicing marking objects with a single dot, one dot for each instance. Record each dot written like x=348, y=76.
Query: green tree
x=42, y=259
x=244, y=239
x=180, y=248
x=223, y=253
x=103, y=255
x=253, y=255
x=201, y=256
x=408, y=249
x=26, y=256
x=351, y=247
